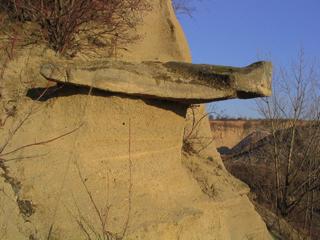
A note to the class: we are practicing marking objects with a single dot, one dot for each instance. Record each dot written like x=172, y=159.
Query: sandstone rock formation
x=228, y=133
x=175, y=81
x=81, y=163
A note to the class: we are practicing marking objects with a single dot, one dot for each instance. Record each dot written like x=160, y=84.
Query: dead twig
x=41, y=142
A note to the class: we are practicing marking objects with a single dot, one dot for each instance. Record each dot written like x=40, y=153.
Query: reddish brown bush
x=63, y=22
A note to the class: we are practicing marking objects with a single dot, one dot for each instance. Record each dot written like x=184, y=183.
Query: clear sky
x=239, y=32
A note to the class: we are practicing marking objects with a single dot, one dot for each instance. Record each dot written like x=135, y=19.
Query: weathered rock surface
x=82, y=164
x=175, y=81
x=228, y=133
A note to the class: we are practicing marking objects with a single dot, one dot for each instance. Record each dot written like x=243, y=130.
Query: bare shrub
x=193, y=143
x=290, y=154
x=261, y=184
x=63, y=23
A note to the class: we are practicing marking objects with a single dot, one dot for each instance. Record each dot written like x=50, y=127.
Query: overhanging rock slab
x=175, y=81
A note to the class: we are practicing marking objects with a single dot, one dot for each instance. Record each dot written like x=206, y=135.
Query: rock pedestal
x=80, y=162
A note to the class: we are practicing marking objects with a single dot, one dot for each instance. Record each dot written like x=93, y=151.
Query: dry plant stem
x=8, y=49
x=276, y=163
x=191, y=139
x=21, y=123
x=82, y=222
x=107, y=205
x=125, y=228
x=40, y=143
x=195, y=124
x=24, y=158
x=92, y=201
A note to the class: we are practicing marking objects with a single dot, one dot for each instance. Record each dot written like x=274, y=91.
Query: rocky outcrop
x=228, y=133
x=175, y=81
x=79, y=163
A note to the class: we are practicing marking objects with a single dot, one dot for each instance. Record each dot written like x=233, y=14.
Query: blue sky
x=239, y=32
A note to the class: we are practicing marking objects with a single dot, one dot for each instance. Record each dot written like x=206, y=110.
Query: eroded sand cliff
x=228, y=133
x=82, y=164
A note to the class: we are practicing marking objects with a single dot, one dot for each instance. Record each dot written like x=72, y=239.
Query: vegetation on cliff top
x=71, y=25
